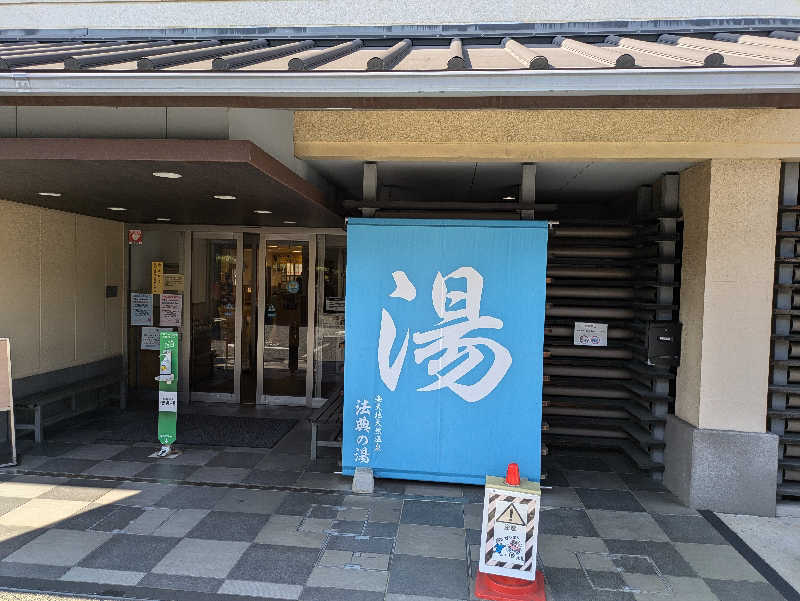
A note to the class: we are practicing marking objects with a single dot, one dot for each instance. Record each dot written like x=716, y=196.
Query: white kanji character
x=363, y=407
x=362, y=440
x=361, y=455
x=362, y=424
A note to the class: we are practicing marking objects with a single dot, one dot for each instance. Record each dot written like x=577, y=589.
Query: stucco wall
x=547, y=135
x=730, y=215
x=55, y=267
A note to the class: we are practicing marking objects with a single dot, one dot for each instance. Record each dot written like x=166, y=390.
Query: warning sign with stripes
x=509, y=533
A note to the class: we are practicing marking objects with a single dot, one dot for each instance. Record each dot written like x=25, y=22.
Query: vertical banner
x=168, y=388
x=444, y=328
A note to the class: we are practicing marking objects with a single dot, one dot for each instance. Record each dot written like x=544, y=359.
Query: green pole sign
x=167, y=390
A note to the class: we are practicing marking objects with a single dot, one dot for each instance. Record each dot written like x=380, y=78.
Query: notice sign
x=5, y=374
x=141, y=309
x=157, y=272
x=510, y=528
x=135, y=237
x=170, y=310
x=173, y=282
x=334, y=304
x=590, y=334
x=151, y=338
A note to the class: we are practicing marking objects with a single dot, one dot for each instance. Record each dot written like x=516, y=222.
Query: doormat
x=193, y=429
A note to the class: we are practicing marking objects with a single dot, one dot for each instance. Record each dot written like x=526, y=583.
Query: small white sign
x=168, y=401
x=590, y=334
x=151, y=338
x=141, y=309
x=170, y=310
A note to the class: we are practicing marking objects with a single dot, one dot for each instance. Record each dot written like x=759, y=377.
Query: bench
x=65, y=388
x=330, y=414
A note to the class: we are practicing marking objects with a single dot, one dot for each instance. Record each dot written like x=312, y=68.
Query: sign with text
x=170, y=310
x=444, y=325
x=6, y=401
x=135, y=237
x=141, y=309
x=157, y=275
x=510, y=528
x=168, y=388
x=590, y=334
x=151, y=338
x=173, y=282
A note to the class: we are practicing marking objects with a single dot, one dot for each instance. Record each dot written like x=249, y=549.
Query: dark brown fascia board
x=166, y=151
x=788, y=100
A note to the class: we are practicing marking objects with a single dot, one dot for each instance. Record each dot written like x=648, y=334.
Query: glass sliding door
x=329, y=322
x=216, y=323
x=285, y=356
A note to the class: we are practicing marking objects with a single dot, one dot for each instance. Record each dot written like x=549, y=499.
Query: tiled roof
x=775, y=49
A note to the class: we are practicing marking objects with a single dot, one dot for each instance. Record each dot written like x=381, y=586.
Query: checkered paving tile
x=249, y=523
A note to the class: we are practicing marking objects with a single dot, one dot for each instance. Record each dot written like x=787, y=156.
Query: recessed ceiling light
x=290, y=222
x=297, y=251
x=163, y=219
x=272, y=246
x=509, y=197
x=116, y=208
x=262, y=212
x=49, y=193
x=224, y=197
x=167, y=174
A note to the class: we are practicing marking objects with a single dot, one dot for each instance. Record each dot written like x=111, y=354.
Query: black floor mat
x=196, y=429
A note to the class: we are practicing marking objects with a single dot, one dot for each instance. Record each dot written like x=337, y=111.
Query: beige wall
x=730, y=215
x=547, y=135
x=54, y=267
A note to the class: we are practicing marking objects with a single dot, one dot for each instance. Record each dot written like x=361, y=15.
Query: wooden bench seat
x=36, y=402
x=330, y=414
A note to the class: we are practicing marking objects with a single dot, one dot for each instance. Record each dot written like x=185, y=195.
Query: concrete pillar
x=718, y=454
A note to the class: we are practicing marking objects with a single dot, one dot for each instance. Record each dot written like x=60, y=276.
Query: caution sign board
x=510, y=528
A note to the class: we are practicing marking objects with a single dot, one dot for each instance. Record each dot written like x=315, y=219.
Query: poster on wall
x=174, y=282
x=444, y=324
x=157, y=276
x=141, y=309
x=170, y=310
x=151, y=338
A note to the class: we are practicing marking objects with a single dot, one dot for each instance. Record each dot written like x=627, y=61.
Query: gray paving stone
x=730, y=590
x=614, y=500
x=224, y=525
x=639, y=481
x=333, y=594
x=167, y=471
x=348, y=527
x=137, y=453
x=193, y=497
x=221, y=475
x=683, y=589
x=662, y=502
x=117, y=469
x=96, y=452
x=251, y=501
x=271, y=477
x=601, y=480
x=568, y=522
x=59, y=547
x=689, y=529
x=433, y=513
x=426, y=576
x=434, y=489
x=360, y=544
x=664, y=555
x=236, y=459
x=181, y=583
x=560, y=496
x=151, y=519
x=573, y=585
x=282, y=530
x=718, y=562
x=430, y=541
x=42, y=513
x=262, y=590
x=136, y=494
x=559, y=551
x=300, y=503
x=201, y=558
x=473, y=515
x=24, y=570
x=353, y=514
x=324, y=481
x=15, y=537
x=196, y=457
x=382, y=529
x=9, y=503
x=100, y=576
x=80, y=490
x=63, y=465
x=180, y=522
x=283, y=462
x=29, y=487
x=129, y=552
x=93, y=515
x=626, y=525
x=365, y=580
x=274, y=563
